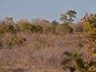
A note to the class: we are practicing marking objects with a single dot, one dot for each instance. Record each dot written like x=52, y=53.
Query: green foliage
x=68, y=16
x=27, y=27
x=10, y=28
x=46, y=30
x=38, y=28
x=73, y=61
x=63, y=18
x=20, y=40
x=54, y=23
x=63, y=29
x=53, y=26
x=79, y=63
x=89, y=22
x=10, y=42
x=89, y=25
x=71, y=14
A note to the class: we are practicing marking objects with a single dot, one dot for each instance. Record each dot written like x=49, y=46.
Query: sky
x=45, y=9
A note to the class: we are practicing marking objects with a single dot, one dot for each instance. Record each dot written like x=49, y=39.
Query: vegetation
x=63, y=29
x=71, y=47
x=68, y=16
x=10, y=42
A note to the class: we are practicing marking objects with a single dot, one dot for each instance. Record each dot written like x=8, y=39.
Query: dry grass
x=40, y=52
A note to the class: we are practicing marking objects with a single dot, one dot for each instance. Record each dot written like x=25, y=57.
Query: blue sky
x=46, y=9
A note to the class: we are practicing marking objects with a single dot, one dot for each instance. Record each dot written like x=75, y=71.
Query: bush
x=53, y=26
x=54, y=23
x=10, y=42
x=49, y=30
x=73, y=61
x=89, y=25
x=38, y=28
x=27, y=27
x=10, y=28
x=20, y=40
x=63, y=29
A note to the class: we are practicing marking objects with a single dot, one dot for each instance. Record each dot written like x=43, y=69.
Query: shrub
x=63, y=29
x=54, y=23
x=73, y=62
x=52, y=28
x=89, y=24
x=20, y=40
x=27, y=27
x=49, y=30
x=10, y=42
x=38, y=28
x=10, y=28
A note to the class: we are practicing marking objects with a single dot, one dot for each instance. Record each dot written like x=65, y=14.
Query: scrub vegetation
x=43, y=46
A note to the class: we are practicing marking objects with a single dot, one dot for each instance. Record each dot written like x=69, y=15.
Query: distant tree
x=68, y=16
x=71, y=14
x=63, y=18
x=54, y=23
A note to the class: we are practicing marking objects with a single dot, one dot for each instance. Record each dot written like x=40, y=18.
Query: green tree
x=63, y=18
x=68, y=16
x=71, y=15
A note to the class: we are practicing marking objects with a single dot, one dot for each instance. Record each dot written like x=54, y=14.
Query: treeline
x=39, y=26
x=42, y=26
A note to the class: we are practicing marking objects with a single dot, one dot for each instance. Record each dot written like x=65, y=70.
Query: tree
x=63, y=18
x=54, y=23
x=71, y=14
x=68, y=16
